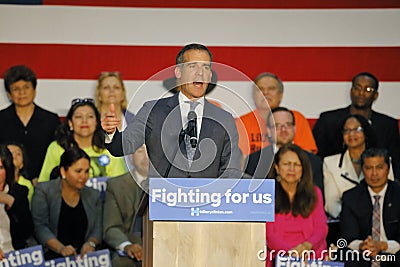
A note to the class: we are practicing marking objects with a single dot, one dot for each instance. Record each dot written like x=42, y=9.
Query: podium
x=200, y=244
x=195, y=237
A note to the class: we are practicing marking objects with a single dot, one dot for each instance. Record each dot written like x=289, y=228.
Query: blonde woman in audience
x=67, y=215
x=81, y=128
x=343, y=171
x=110, y=89
x=18, y=153
x=15, y=217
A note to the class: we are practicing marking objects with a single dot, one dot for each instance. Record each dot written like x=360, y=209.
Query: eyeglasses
x=287, y=125
x=359, y=129
x=81, y=100
x=360, y=89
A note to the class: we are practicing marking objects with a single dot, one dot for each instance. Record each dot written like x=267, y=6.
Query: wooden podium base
x=200, y=244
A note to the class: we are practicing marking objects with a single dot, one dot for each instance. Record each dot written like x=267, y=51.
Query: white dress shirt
x=184, y=106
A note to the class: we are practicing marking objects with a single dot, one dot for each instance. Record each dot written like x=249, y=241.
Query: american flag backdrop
x=316, y=47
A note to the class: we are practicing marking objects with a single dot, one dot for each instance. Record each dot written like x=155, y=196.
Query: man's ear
x=178, y=72
x=376, y=96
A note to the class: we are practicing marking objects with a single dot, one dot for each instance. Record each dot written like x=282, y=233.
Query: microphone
x=192, y=128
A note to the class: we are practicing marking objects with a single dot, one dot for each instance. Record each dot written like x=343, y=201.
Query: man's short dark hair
x=375, y=152
x=369, y=75
x=276, y=110
x=17, y=73
x=179, y=57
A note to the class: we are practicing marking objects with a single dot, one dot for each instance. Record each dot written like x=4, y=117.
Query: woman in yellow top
x=82, y=128
x=18, y=152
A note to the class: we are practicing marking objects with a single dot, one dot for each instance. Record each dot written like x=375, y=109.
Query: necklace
x=356, y=161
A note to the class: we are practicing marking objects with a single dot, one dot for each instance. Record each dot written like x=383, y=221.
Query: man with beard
x=364, y=91
x=281, y=129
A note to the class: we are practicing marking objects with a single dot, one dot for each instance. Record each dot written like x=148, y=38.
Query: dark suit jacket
x=21, y=225
x=158, y=124
x=46, y=207
x=356, y=215
x=260, y=162
x=328, y=134
x=122, y=201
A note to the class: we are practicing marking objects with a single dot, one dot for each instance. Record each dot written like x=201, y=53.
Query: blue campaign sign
x=203, y=199
x=295, y=262
x=98, y=183
x=100, y=258
x=27, y=257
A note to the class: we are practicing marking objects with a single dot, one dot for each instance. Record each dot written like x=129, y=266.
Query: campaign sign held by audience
x=98, y=183
x=296, y=262
x=27, y=257
x=100, y=258
x=201, y=199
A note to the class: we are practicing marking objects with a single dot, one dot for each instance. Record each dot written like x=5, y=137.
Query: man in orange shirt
x=252, y=127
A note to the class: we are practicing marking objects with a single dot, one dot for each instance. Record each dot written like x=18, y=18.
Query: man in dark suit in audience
x=370, y=217
x=281, y=128
x=121, y=224
x=160, y=123
x=363, y=93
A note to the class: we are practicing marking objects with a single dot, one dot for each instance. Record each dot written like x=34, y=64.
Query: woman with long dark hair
x=300, y=222
x=81, y=128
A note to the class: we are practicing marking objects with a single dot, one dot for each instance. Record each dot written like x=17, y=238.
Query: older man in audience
x=267, y=95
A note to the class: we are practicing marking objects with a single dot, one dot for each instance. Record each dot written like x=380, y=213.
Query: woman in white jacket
x=343, y=171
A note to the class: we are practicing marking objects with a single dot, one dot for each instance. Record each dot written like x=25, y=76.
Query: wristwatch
x=92, y=244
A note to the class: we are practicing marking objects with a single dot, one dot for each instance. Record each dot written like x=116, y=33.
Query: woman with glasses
x=67, y=214
x=26, y=122
x=343, y=171
x=110, y=89
x=300, y=222
x=81, y=128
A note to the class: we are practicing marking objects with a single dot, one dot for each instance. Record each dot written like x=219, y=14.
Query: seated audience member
x=363, y=93
x=300, y=221
x=267, y=95
x=343, y=171
x=15, y=217
x=81, y=128
x=18, y=153
x=281, y=128
x=110, y=89
x=121, y=224
x=370, y=217
x=67, y=215
x=27, y=123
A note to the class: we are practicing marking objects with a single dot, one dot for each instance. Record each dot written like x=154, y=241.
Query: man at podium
x=185, y=135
